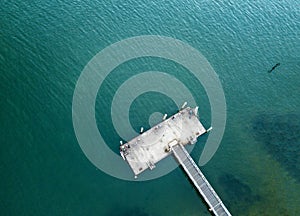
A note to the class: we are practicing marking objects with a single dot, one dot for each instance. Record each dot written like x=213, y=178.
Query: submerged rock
x=280, y=135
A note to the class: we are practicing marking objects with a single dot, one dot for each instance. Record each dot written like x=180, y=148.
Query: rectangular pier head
x=145, y=150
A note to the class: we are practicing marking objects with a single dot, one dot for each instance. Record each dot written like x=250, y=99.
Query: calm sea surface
x=45, y=46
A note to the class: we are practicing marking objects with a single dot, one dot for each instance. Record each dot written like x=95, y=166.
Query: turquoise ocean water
x=45, y=46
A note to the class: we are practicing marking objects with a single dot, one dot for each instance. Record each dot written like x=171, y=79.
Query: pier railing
x=201, y=183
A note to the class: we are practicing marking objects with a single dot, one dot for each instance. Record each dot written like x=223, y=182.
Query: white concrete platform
x=145, y=150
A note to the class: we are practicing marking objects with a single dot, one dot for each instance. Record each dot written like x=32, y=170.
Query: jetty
x=169, y=138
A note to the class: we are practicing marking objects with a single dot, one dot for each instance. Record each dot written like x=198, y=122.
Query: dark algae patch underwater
x=237, y=190
x=280, y=135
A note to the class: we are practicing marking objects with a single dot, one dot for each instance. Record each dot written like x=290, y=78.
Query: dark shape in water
x=281, y=137
x=273, y=68
x=236, y=190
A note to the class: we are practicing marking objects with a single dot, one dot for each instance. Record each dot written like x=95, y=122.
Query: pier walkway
x=207, y=192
